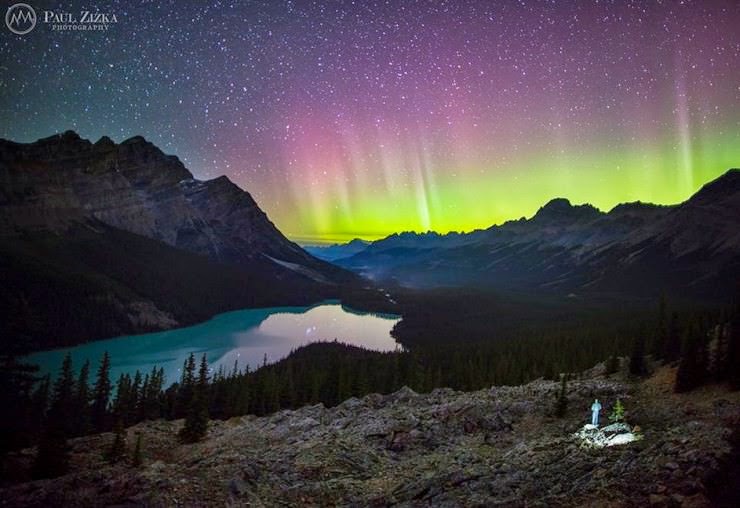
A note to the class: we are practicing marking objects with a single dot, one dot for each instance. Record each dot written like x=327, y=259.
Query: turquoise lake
x=245, y=336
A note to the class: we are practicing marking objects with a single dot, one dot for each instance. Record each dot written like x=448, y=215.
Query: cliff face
x=103, y=239
x=59, y=181
x=494, y=447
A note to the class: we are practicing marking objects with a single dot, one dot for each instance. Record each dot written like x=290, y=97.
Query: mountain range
x=337, y=251
x=102, y=239
x=691, y=250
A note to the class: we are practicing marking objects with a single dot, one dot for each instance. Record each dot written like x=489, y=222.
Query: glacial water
x=246, y=336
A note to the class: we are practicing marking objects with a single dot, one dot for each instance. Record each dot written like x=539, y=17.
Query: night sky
x=363, y=118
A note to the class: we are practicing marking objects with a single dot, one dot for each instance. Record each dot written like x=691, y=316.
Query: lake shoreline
x=245, y=336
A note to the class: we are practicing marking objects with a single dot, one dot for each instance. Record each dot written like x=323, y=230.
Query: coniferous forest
x=47, y=412
x=370, y=253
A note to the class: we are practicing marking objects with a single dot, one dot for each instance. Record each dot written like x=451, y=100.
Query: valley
x=687, y=250
x=384, y=254
x=120, y=242
x=243, y=339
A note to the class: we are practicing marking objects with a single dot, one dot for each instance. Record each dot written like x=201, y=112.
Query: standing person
x=595, y=408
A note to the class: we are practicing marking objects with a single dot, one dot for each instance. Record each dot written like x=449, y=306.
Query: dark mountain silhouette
x=691, y=249
x=63, y=180
x=100, y=239
x=337, y=250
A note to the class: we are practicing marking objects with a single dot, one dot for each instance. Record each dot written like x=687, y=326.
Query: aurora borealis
x=348, y=119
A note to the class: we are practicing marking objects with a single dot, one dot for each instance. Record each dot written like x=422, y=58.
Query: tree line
x=47, y=414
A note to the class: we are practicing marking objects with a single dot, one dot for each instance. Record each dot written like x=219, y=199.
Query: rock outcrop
x=615, y=434
x=495, y=447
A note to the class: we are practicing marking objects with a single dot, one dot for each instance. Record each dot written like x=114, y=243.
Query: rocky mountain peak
x=633, y=207
x=223, y=181
x=104, y=143
x=135, y=140
x=64, y=180
x=560, y=209
x=145, y=150
x=557, y=204
x=725, y=186
x=358, y=242
x=70, y=135
x=690, y=247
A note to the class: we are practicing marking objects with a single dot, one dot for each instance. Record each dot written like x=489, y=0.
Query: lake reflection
x=246, y=336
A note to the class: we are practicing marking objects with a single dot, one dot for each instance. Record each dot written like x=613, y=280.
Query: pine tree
x=672, y=347
x=342, y=383
x=202, y=384
x=82, y=401
x=617, y=412
x=101, y=396
x=117, y=450
x=158, y=396
x=52, y=456
x=170, y=401
x=692, y=367
x=187, y=386
x=141, y=408
x=238, y=398
x=133, y=399
x=196, y=421
x=38, y=406
x=661, y=330
x=288, y=393
x=123, y=395
x=63, y=407
x=715, y=353
x=20, y=418
x=150, y=404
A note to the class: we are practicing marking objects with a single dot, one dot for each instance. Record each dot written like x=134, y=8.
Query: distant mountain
x=338, y=250
x=99, y=239
x=691, y=249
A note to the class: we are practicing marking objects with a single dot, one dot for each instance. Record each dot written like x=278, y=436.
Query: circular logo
x=20, y=18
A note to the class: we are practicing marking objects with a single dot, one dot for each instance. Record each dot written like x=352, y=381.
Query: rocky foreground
x=495, y=447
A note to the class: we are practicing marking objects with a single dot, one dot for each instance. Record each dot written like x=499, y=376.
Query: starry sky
x=358, y=119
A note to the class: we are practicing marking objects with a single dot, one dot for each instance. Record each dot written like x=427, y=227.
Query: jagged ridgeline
x=104, y=239
x=689, y=250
